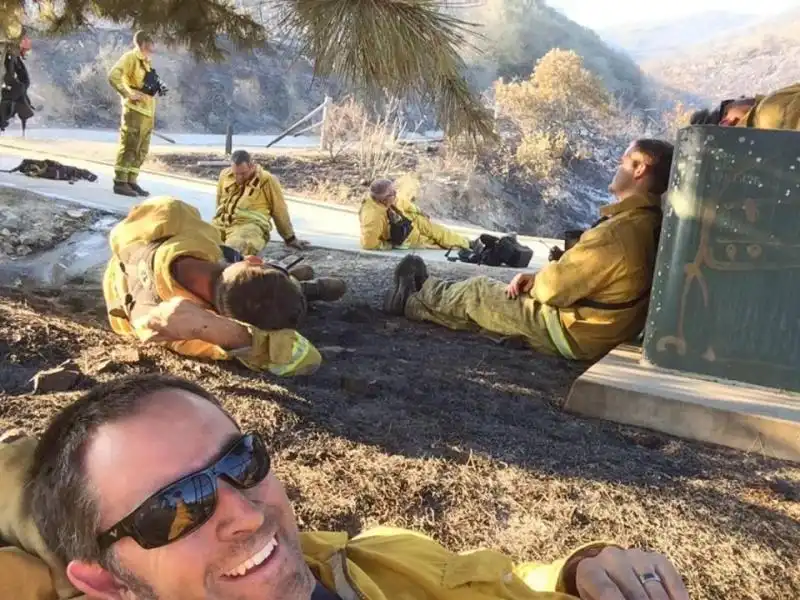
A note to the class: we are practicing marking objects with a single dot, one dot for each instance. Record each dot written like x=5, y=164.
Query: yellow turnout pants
x=134, y=144
x=247, y=238
x=427, y=234
x=23, y=576
x=480, y=303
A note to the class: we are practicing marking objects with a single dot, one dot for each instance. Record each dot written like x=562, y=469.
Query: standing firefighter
x=134, y=78
x=14, y=100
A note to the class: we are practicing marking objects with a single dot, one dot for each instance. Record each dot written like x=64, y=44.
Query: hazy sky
x=603, y=13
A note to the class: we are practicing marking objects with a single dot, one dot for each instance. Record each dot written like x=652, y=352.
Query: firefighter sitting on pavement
x=248, y=199
x=167, y=282
x=389, y=220
x=594, y=297
x=145, y=487
x=130, y=77
x=779, y=110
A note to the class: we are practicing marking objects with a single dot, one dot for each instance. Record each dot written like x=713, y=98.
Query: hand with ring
x=618, y=574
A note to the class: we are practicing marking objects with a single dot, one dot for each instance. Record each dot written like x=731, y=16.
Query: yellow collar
x=140, y=55
x=630, y=203
x=254, y=180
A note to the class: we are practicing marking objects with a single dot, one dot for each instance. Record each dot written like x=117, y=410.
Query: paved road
x=324, y=225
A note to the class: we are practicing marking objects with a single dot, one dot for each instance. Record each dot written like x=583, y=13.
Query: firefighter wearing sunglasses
x=168, y=282
x=145, y=488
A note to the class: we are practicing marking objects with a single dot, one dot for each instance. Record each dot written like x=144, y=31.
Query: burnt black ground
x=447, y=432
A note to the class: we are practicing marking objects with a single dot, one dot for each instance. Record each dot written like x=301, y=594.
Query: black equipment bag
x=51, y=169
x=494, y=252
x=400, y=227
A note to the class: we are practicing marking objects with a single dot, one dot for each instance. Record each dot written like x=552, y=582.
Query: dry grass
x=382, y=435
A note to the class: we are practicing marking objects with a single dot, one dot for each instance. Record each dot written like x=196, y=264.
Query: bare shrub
x=542, y=153
x=372, y=138
x=551, y=115
x=342, y=127
x=379, y=152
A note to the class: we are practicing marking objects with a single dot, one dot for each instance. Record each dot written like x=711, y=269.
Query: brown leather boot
x=325, y=289
x=136, y=188
x=302, y=272
x=409, y=276
x=123, y=188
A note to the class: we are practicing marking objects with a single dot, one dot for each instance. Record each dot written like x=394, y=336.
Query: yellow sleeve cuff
x=283, y=352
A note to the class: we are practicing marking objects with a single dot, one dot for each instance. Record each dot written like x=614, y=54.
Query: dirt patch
x=448, y=433
x=31, y=223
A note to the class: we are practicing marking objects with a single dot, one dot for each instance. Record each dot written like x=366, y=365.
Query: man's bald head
x=382, y=190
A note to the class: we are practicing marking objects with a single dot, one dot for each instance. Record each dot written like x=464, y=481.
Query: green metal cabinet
x=726, y=295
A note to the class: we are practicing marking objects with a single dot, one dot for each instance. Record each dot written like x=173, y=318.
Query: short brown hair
x=140, y=38
x=660, y=154
x=261, y=296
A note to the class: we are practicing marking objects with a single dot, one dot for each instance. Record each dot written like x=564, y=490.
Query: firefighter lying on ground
x=167, y=282
x=248, y=199
x=146, y=488
x=389, y=220
x=779, y=110
x=580, y=306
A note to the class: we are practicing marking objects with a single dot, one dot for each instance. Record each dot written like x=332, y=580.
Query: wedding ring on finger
x=646, y=578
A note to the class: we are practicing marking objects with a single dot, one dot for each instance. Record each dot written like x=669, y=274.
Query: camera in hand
x=153, y=85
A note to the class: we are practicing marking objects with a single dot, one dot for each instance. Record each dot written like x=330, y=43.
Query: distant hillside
x=758, y=59
x=514, y=34
x=269, y=89
x=647, y=41
x=264, y=90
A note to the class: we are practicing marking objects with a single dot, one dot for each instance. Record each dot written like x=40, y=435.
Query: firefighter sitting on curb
x=593, y=298
x=248, y=199
x=779, y=110
x=388, y=221
x=145, y=488
x=168, y=282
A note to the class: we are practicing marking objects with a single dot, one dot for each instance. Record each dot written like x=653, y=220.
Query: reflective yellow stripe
x=556, y=331
x=300, y=349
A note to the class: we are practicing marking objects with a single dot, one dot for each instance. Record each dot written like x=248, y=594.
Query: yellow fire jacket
x=127, y=75
x=283, y=352
x=379, y=564
x=258, y=201
x=374, y=220
x=386, y=563
x=779, y=110
x=611, y=264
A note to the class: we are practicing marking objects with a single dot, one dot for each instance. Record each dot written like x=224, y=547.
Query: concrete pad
x=620, y=388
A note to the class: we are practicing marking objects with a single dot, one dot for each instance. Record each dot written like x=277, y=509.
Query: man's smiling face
x=248, y=549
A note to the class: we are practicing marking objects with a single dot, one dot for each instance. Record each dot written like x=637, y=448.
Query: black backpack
x=14, y=100
x=494, y=252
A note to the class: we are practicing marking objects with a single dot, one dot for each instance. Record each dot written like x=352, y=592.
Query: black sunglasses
x=181, y=507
